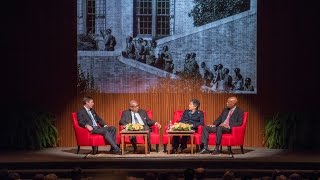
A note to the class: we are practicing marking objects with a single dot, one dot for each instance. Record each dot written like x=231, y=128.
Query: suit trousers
x=176, y=139
x=133, y=139
x=219, y=130
x=109, y=134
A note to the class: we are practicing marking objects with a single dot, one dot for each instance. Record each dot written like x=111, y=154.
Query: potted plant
x=281, y=130
x=29, y=129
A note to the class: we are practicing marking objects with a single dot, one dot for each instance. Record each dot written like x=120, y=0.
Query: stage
x=254, y=162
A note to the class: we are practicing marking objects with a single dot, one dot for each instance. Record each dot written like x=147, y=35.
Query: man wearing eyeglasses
x=135, y=115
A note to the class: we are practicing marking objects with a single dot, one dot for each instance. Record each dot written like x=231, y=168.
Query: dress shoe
x=174, y=151
x=204, y=151
x=118, y=151
x=134, y=148
x=181, y=148
x=216, y=151
x=94, y=150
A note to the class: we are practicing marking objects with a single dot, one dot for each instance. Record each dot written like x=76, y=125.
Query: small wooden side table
x=134, y=133
x=180, y=133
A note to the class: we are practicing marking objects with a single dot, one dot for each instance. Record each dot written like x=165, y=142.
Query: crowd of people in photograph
x=218, y=79
x=146, y=52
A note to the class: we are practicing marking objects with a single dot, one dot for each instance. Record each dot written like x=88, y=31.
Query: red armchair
x=235, y=138
x=176, y=118
x=84, y=138
x=154, y=134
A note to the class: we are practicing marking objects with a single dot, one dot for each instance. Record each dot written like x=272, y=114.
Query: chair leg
x=242, y=149
x=78, y=149
x=157, y=148
x=164, y=148
x=229, y=150
x=149, y=148
x=197, y=148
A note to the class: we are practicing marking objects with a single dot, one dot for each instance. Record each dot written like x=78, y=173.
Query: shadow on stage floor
x=62, y=159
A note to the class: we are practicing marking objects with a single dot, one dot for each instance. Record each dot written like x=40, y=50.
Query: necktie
x=228, y=117
x=135, y=119
x=92, y=118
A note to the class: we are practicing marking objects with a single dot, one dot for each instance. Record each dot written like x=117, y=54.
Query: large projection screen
x=178, y=46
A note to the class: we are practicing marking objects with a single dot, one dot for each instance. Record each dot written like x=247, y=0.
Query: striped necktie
x=94, y=123
x=228, y=117
x=136, y=121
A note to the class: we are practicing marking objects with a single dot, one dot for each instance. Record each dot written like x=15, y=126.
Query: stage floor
x=62, y=159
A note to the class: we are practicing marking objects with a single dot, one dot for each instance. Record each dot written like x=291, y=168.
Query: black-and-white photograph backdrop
x=143, y=46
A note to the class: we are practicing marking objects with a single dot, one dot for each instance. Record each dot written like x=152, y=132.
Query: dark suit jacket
x=196, y=119
x=84, y=118
x=236, y=118
x=126, y=117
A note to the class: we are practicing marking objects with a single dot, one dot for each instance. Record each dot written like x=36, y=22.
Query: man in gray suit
x=135, y=115
x=230, y=117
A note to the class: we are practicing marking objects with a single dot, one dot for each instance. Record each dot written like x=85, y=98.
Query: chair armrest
x=199, y=131
x=237, y=131
x=155, y=129
x=82, y=132
x=121, y=127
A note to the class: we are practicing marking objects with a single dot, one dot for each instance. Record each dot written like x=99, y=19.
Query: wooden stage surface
x=62, y=159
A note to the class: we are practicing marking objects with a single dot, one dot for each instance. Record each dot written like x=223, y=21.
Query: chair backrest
x=80, y=133
x=74, y=120
x=244, y=122
x=178, y=114
x=149, y=113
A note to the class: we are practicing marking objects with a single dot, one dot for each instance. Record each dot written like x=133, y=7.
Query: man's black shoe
x=118, y=151
x=134, y=148
x=174, y=151
x=216, y=151
x=94, y=150
x=204, y=151
x=181, y=148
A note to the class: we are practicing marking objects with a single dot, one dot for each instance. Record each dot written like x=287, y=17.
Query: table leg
x=168, y=145
x=122, y=144
x=146, y=144
x=191, y=144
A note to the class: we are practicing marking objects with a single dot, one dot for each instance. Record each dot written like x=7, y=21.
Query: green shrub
x=27, y=129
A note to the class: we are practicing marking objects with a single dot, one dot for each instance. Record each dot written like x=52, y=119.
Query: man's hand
x=159, y=125
x=211, y=125
x=89, y=127
x=224, y=125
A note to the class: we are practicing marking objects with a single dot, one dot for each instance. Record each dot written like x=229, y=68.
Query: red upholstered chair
x=154, y=134
x=176, y=118
x=236, y=138
x=84, y=138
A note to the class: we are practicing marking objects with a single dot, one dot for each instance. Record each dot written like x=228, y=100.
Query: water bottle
x=170, y=125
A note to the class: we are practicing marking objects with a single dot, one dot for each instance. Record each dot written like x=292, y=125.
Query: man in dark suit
x=230, y=117
x=135, y=115
x=90, y=120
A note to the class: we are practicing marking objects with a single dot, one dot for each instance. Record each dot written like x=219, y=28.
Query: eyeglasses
x=135, y=106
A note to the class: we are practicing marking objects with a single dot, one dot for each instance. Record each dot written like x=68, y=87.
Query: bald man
x=230, y=117
x=136, y=115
